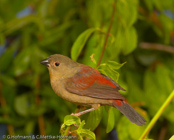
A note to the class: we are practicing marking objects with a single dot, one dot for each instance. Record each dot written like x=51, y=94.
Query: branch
x=41, y=122
x=155, y=46
x=107, y=35
x=151, y=17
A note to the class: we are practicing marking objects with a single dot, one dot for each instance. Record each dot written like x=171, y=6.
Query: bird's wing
x=90, y=82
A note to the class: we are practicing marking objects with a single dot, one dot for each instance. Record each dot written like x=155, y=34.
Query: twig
x=155, y=46
x=151, y=17
x=10, y=127
x=107, y=35
x=163, y=131
x=40, y=117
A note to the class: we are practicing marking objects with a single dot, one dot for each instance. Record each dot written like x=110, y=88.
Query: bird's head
x=60, y=66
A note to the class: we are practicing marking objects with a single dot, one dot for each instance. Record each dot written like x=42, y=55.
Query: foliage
x=121, y=30
x=171, y=138
x=80, y=132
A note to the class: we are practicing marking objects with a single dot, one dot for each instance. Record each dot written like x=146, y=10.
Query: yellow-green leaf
x=94, y=119
x=172, y=138
x=80, y=43
x=111, y=120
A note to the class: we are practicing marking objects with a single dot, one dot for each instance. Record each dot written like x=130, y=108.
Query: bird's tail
x=129, y=112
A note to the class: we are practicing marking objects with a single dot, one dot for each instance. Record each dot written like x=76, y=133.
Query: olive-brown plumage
x=83, y=85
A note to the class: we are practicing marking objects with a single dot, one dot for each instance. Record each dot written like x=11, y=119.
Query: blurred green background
x=142, y=34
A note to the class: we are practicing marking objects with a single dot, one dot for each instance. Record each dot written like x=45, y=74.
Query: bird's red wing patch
x=89, y=82
x=118, y=102
x=84, y=79
x=96, y=76
x=103, y=81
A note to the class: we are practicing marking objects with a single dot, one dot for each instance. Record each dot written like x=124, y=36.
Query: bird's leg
x=95, y=106
x=78, y=108
x=83, y=112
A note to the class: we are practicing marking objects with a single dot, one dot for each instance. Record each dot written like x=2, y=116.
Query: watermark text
x=38, y=137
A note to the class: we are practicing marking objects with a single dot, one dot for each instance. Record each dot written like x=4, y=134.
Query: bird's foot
x=75, y=114
x=82, y=112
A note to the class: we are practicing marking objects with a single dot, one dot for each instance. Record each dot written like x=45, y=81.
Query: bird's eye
x=56, y=64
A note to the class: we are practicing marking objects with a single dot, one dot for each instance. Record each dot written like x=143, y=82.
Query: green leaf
x=55, y=34
x=80, y=137
x=69, y=120
x=125, y=44
x=8, y=80
x=159, y=88
x=128, y=11
x=149, y=4
x=29, y=127
x=7, y=57
x=2, y=39
x=20, y=104
x=130, y=41
x=18, y=23
x=94, y=119
x=22, y=61
x=87, y=133
x=37, y=110
x=168, y=26
x=115, y=65
x=9, y=98
x=37, y=56
x=93, y=46
x=81, y=126
x=127, y=130
x=5, y=120
x=158, y=5
x=157, y=115
x=5, y=110
x=94, y=10
x=111, y=120
x=109, y=69
x=80, y=43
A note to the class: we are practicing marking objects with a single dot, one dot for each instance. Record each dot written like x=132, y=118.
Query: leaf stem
x=158, y=114
x=107, y=35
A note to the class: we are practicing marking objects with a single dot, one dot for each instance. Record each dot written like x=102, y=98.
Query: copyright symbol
x=4, y=136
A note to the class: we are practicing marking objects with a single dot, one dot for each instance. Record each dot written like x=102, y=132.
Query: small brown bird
x=85, y=86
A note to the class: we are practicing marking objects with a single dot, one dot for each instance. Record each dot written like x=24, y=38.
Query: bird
x=85, y=86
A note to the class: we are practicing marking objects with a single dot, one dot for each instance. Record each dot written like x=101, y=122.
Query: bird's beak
x=45, y=62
